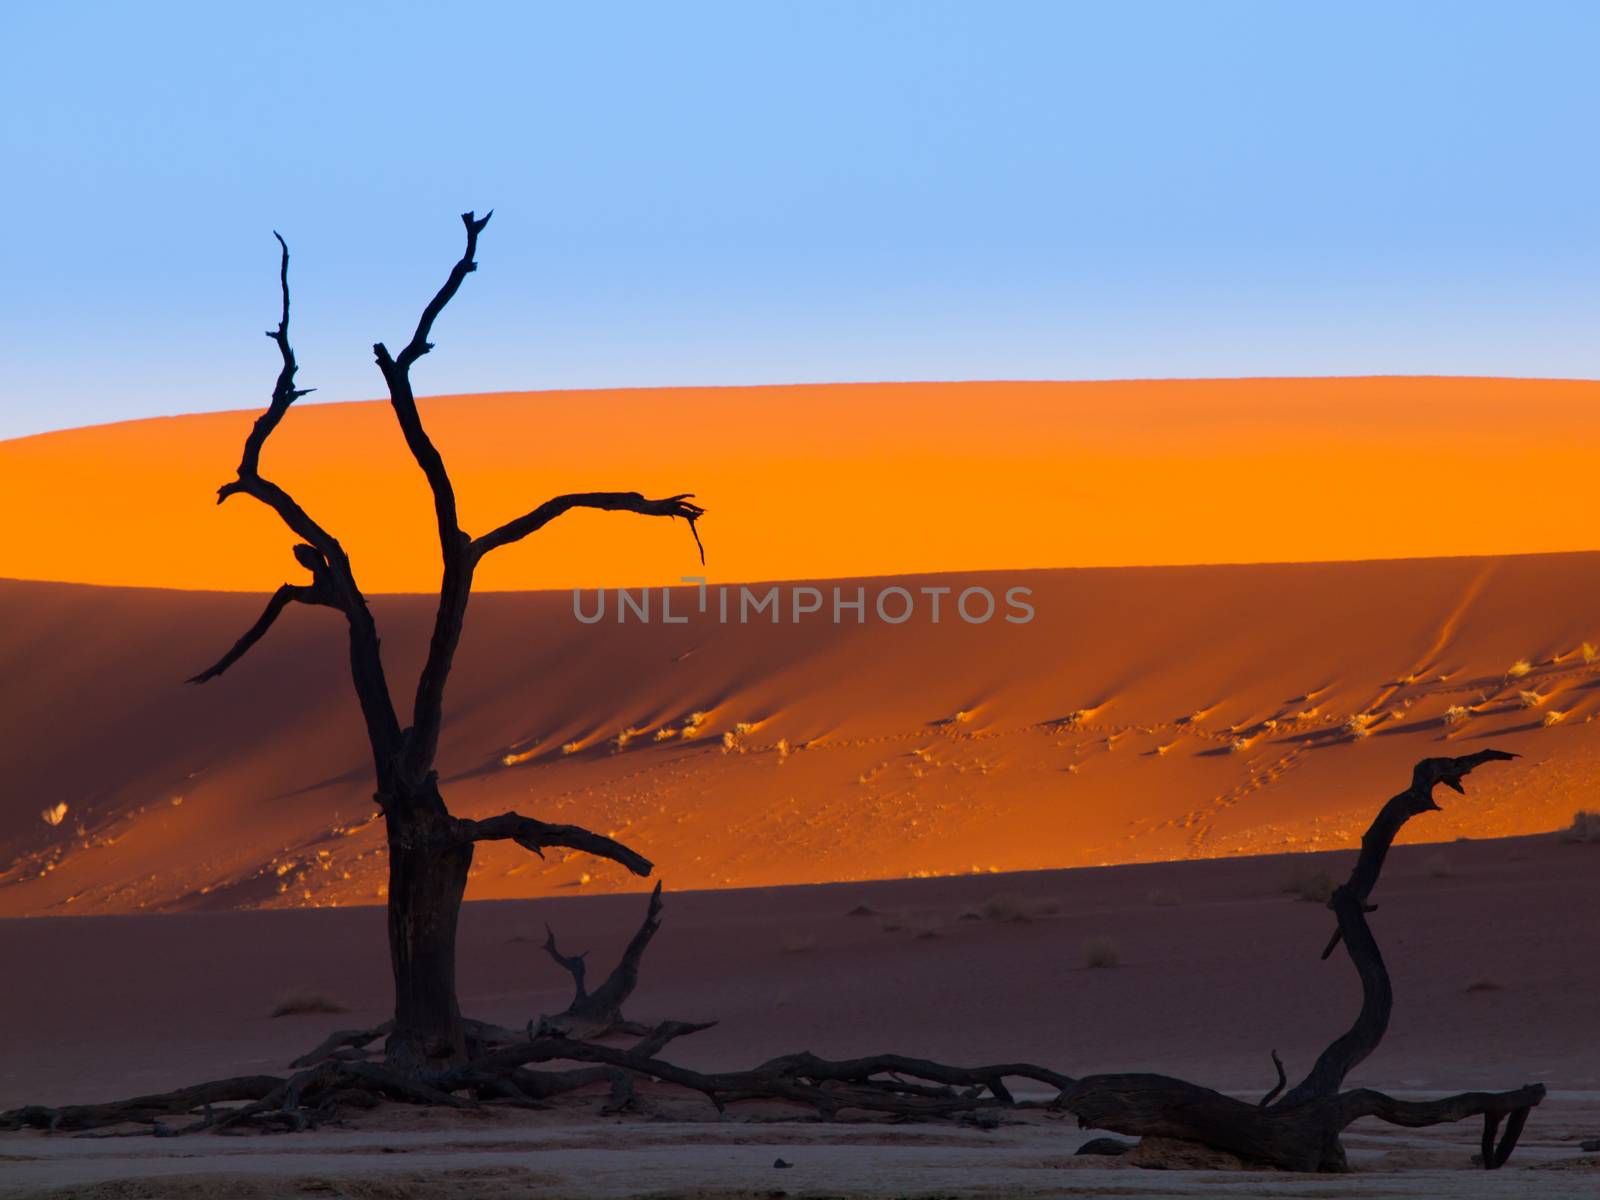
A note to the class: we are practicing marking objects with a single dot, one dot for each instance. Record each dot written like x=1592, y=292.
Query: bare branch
x=419, y=344
x=514, y=531
x=624, y=977
x=455, y=588
x=334, y=582
x=1283, y=1082
x=284, y=393
x=281, y=599
x=536, y=835
x=572, y=964
x=397, y=374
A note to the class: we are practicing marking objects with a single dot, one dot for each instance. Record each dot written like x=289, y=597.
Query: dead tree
x=430, y=851
x=1299, y=1131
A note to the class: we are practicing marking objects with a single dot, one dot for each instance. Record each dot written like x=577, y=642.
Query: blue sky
x=695, y=193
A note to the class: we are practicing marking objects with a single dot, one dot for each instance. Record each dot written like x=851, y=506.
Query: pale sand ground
x=1218, y=966
x=1145, y=714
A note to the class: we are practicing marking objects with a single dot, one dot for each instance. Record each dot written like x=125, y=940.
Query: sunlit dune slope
x=826, y=481
x=1145, y=713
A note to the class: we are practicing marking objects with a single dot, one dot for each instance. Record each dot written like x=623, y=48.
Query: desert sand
x=1494, y=987
x=817, y=482
x=1144, y=714
x=861, y=826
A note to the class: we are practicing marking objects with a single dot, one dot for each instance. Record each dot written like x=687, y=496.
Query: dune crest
x=813, y=482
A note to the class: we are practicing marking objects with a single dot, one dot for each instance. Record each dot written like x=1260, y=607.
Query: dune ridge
x=1144, y=714
x=842, y=480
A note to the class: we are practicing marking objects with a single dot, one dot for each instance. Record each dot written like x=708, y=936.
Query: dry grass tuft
x=1585, y=827
x=1360, y=725
x=303, y=1001
x=1100, y=952
x=862, y=910
x=1010, y=908
x=1520, y=668
x=1456, y=714
x=55, y=814
x=1303, y=883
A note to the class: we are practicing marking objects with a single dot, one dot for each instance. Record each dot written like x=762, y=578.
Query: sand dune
x=1143, y=714
x=826, y=481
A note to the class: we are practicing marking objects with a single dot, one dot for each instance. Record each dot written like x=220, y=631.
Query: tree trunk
x=428, y=869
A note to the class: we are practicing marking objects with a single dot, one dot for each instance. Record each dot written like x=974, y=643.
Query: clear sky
x=761, y=192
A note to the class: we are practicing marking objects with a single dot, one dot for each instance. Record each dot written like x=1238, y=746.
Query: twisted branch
x=537, y=835
x=680, y=505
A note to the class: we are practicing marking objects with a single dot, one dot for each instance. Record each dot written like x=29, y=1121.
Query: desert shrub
x=1100, y=952
x=1010, y=907
x=1585, y=827
x=1306, y=884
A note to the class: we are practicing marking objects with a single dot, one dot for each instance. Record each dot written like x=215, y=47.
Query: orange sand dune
x=827, y=481
x=1145, y=713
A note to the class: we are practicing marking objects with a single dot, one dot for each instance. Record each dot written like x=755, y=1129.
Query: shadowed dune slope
x=1145, y=713
x=811, y=482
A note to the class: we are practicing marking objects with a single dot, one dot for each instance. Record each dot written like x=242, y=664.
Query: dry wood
x=430, y=851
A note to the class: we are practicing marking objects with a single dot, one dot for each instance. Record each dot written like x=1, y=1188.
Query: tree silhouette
x=430, y=851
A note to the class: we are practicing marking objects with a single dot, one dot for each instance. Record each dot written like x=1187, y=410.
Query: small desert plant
x=1520, y=668
x=55, y=814
x=1554, y=717
x=862, y=910
x=303, y=1001
x=1100, y=952
x=1588, y=652
x=1585, y=827
x=1456, y=714
x=1359, y=725
x=1010, y=907
x=1315, y=887
x=1530, y=699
